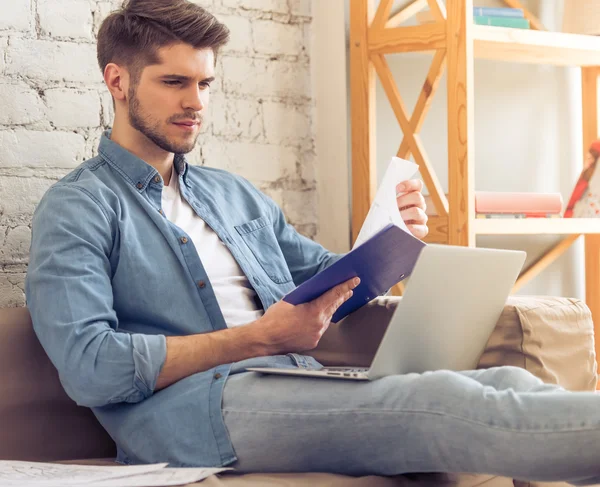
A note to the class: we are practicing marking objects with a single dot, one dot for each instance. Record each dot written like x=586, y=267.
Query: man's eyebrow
x=181, y=77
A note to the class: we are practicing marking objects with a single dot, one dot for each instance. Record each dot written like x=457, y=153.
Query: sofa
x=549, y=336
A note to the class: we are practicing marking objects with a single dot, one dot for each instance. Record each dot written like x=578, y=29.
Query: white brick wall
x=3, y=48
x=54, y=107
x=65, y=19
x=16, y=16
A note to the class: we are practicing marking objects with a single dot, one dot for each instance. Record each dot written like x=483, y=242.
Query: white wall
x=527, y=138
x=328, y=74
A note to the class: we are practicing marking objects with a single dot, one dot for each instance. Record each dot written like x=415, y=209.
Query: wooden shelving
x=527, y=226
x=537, y=226
x=498, y=43
x=537, y=47
x=456, y=42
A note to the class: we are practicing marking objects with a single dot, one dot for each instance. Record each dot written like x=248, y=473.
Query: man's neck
x=139, y=145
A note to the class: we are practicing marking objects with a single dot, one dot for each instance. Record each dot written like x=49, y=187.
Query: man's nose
x=194, y=100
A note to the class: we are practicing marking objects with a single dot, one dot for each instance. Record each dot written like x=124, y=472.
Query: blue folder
x=382, y=261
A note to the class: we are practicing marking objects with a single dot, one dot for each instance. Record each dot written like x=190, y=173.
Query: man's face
x=168, y=102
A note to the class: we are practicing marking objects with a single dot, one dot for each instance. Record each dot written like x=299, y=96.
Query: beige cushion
x=554, y=340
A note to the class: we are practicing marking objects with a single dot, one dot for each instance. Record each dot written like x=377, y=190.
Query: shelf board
x=538, y=47
x=535, y=226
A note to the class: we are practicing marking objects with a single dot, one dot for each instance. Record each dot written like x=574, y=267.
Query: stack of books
x=491, y=204
x=495, y=16
x=518, y=205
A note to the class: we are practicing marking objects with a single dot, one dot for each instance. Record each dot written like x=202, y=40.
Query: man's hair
x=132, y=35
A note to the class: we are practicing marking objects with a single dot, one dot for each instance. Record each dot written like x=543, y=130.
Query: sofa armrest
x=551, y=337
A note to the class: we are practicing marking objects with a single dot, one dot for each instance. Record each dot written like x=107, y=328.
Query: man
x=153, y=284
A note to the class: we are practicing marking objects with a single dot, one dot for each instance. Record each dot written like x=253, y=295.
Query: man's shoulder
x=87, y=181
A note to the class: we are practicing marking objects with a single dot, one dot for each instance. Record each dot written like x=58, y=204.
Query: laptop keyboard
x=327, y=369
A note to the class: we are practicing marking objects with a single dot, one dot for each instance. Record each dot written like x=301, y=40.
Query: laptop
x=451, y=305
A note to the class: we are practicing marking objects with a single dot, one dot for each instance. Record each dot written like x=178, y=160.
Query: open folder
x=381, y=261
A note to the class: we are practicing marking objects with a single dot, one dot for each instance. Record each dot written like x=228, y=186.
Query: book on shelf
x=487, y=16
x=514, y=13
x=502, y=22
x=518, y=203
x=515, y=216
x=494, y=204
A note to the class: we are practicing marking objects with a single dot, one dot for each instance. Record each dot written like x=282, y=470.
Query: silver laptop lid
x=451, y=305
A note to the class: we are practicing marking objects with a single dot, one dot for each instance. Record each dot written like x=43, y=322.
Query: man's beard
x=150, y=128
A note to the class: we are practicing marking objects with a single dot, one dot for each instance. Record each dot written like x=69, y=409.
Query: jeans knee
x=516, y=378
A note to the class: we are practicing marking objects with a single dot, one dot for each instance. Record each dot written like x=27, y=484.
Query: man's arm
x=69, y=296
x=187, y=355
x=283, y=328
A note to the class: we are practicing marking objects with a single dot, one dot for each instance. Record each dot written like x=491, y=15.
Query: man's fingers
x=409, y=185
x=419, y=231
x=331, y=309
x=337, y=295
x=411, y=199
x=414, y=215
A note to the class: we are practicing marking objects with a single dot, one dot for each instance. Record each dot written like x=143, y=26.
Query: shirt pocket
x=260, y=238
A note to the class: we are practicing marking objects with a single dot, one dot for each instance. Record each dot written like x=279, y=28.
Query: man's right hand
x=287, y=328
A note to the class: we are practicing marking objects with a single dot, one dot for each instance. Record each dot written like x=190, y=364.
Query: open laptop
x=448, y=312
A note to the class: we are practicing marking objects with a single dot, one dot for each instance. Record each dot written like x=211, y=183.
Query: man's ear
x=117, y=81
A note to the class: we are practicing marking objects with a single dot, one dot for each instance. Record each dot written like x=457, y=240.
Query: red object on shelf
x=589, y=207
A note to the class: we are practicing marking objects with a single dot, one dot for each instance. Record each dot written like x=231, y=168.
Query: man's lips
x=187, y=124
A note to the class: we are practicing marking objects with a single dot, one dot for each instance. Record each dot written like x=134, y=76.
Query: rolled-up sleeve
x=69, y=296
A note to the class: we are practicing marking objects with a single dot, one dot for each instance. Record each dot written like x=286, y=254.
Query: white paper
x=37, y=474
x=384, y=209
x=162, y=478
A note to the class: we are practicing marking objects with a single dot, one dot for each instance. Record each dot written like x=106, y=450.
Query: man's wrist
x=257, y=339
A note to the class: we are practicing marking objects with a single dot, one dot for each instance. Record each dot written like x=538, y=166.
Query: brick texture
x=55, y=108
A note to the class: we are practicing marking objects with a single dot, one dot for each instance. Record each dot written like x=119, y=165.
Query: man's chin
x=179, y=147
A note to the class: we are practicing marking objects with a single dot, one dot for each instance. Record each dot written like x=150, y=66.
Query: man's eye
x=205, y=84
x=172, y=82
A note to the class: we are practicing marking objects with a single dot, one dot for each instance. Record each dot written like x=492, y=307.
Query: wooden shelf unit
x=498, y=43
x=455, y=42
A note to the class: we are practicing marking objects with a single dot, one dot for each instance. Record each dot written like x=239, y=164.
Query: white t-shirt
x=237, y=299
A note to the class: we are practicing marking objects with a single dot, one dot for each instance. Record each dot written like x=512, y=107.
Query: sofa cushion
x=551, y=337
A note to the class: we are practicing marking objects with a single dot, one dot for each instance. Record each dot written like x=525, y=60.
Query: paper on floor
x=37, y=474
x=384, y=209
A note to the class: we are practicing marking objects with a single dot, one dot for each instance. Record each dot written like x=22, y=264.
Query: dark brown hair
x=132, y=35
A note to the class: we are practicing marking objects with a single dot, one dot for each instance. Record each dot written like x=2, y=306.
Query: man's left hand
x=412, y=207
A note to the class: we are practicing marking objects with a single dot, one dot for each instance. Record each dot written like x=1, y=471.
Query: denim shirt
x=110, y=277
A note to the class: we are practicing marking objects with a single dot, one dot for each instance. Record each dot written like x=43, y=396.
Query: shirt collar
x=138, y=172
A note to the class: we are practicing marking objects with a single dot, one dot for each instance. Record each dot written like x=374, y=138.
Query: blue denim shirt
x=110, y=277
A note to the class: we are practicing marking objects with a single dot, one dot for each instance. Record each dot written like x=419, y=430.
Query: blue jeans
x=501, y=421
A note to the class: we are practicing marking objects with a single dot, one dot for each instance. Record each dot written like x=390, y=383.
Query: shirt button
x=201, y=284
x=139, y=185
x=218, y=376
x=157, y=179
x=161, y=212
x=184, y=240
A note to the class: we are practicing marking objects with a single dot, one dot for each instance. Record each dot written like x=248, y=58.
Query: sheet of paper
x=161, y=478
x=384, y=209
x=37, y=474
